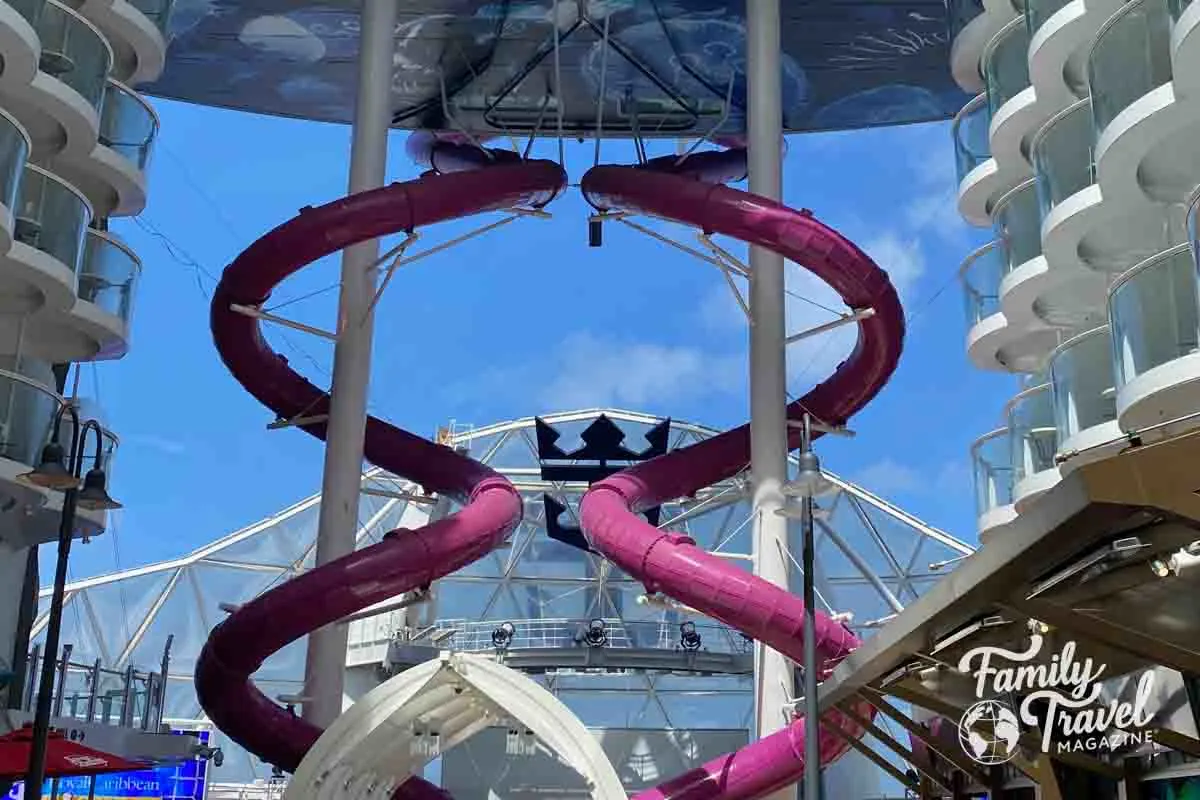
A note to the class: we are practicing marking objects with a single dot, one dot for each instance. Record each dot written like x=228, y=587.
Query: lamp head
x=94, y=496
x=51, y=471
x=809, y=480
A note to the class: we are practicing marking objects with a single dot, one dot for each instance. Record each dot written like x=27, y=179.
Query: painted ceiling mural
x=662, y=67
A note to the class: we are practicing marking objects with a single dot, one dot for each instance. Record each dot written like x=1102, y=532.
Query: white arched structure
x=377, y=744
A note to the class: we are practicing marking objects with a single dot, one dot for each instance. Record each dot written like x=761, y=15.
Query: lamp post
x=809, y=481
x=61, y=471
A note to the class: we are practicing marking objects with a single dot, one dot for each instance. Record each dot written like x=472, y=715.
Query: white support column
x=338, y=521
x=774, y=683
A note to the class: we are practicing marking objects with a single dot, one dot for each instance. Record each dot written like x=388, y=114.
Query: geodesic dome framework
x=872, y=558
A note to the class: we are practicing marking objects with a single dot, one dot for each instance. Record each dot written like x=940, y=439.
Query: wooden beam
x=861, y=746
x=1177, y=741
x=1110, y=634
x=885, y=738
x=952, y=754
x=1029, y=739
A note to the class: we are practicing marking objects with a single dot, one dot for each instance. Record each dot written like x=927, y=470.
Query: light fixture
x=809, y=480
x=596, y=635
x=1160, y=568
x=51, y=471
x=689, y=639
x=503, y=635
x=94, y=496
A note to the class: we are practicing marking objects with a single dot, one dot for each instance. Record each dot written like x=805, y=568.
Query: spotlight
x=502, y=636
x=1160, y=568
x=688, y=638
x=596, y=635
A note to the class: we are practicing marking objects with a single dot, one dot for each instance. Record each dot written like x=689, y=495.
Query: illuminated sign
x=184, y=781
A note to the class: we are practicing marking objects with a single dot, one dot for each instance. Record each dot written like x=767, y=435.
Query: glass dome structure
x=872, y=559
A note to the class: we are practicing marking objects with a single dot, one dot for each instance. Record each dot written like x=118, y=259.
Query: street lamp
x=61, y=471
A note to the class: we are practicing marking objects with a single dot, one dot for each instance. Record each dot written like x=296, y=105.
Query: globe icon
x=988, y=732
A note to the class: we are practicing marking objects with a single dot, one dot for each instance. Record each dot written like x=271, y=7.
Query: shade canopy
x=63, y=756
x=664, y=67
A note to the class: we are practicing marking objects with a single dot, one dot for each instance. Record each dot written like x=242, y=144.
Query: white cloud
x=590, y=371
x=889, y=478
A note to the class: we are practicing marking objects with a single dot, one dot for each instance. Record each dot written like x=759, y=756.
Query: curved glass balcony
x=992, y=467
x=970, y=131
x=157, y=11
x=109, y=443
x=1017, y=222
x=108, y=276
x=73, y=50
x=14, y=150
x=128, y=124
x=1081, y=374
x=51, y=216
x=1032, y=435
x=1006, y=64
x=27, y=409
x=1177, y=7
x=1130, y=57
x=981, y=274
x=1153, y=313
x=1062, y=155
x=1038, y=11
x=961, y=13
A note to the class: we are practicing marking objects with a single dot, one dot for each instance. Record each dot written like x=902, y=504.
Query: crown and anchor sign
x=603, y=454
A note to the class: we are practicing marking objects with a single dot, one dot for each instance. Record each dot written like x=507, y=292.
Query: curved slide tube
x=671, y=563
x=665, y=562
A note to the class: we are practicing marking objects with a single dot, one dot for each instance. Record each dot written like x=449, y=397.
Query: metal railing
x=970, y=133
x=484, y=636
x=1005, y=63
x=1130, y=56
x=126, y=698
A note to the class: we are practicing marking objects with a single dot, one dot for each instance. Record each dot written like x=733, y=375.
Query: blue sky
x=523, y=320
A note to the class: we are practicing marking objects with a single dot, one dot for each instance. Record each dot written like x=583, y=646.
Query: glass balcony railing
x=1038, y=11
x=108, y=276
x=992, y=466
x=1006, y=64
x=960, y=13
x=128, y=124
x=981, y=274
x=73, y=50
x=27, y=409
x=1062, y=155
x=157, y=11
x=1032, y=435
x=1153, y=313
x=110, y=442
x=14, y=150
x=51, y=216
x=1017, y=223
x=1081, y=373
x=1130, y=57
x=970, y=132
x=1177, y=7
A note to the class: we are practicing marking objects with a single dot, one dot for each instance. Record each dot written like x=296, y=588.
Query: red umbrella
x=63, y=756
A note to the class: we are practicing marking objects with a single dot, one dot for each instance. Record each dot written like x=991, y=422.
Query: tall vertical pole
x=338, y=520
x=812, y=768
x=774, y=682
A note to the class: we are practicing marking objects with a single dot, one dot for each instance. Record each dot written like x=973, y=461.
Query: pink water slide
x=463, y=184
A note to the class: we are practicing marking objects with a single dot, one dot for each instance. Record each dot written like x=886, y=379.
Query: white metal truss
x=124, y=617
x=407, y=721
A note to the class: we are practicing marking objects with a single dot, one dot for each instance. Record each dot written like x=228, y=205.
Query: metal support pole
x=812, y=706
x=774, y=680
x=338, y=521
x=36, y=775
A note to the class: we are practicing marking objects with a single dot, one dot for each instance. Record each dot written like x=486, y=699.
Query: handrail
x=1007, y=198
x=45, y=173
x=1193, y=224
x=1076, y=339
x=1058, y=117
x=11, y=120
x=1145, y=264
x=1025, y=394
x=974, y=256
x=127, y=91
x=88, y=23
x=968, y=108
x=1126, y=9
x=987, y=437
x=990, y=48
x=120, y=245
